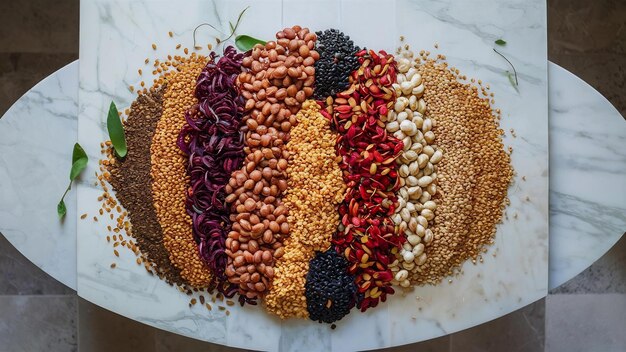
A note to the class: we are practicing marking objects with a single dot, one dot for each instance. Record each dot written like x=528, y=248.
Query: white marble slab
x=570, y=100
x=116, y=37
x=587, y=175
x=214, y=327
x=37, y=135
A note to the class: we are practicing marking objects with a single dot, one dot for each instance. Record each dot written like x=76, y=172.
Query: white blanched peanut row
x=417, y=169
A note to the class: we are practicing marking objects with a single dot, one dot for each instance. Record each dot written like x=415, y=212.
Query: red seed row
x=366, y=234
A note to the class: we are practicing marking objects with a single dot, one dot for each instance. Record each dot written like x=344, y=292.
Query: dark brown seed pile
x=130, y=177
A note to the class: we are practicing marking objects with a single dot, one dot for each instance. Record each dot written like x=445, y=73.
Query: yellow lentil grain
x=315, y=188
x=170, y=177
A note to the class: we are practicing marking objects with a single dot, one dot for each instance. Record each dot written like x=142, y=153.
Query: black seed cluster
x=329, y=290
x=337, y=60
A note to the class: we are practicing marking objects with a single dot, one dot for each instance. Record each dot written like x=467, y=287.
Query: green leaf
x=78, y=153
x=61, y=209
x=232, y=28
x=500, y=42
x=116, y=131
x=79, y=161
x=246, y=42
x=77, y=168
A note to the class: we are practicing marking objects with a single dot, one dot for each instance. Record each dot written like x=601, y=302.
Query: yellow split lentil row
x=169, y=174
x=315, y=189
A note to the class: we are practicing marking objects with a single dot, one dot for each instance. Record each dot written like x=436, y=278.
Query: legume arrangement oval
x=307, y=174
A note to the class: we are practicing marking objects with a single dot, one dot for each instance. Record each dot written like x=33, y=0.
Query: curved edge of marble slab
x=579, y=234
x=32, y=181
x=587, y=180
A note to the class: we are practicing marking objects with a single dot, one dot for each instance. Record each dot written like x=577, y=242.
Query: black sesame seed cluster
x=336, y=63
x=330, y=291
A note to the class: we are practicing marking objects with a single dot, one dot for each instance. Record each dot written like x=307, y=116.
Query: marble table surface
x=584, y=223
x=585, y=220
x=513, y=272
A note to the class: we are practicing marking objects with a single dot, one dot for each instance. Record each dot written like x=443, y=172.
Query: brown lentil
x=315, y=188
x=473, y=175
x=169, y=177
x=279, y=80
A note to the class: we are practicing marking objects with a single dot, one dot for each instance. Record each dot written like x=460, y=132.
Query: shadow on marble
x=19, y=72
x=586, y=322
x=37, y=323
x=20, y=277
x=39, y=26
x=520, y=331
x=607, y=275
x=588, y=38
x=100, y=330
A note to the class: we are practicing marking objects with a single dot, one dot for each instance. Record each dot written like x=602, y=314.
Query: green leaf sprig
x=246, y=42
x=500, y=42
x=79, y=163
x=233, y=29
x=116, y=131
x=512, y=77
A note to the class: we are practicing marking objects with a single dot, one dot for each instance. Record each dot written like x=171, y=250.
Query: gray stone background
x=588, y=313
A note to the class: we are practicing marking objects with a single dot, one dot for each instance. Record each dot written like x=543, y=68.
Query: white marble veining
x=129, y=291
x=567, y=256
x=116, y=37
x=587, y=175
x=37, y=135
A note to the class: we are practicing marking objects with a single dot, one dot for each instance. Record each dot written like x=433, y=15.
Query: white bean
x=413, y=102
x=393, y=126
x=422, y=259
x=406, y=125
x=429, y=205
x=406, y=216
x=417, y=147
x=429, y=137
x=418, y=250
x=403, y=171
x=418, y=120
x=422, y=160
x=429, y=169
x=428, y=214
x=401, y=275
x=432, y=188
x=428, y=236
x=410, y=155
x=424, y=181
x=428, y=150
x=422, y=221
x=421, y=106
x=412, y=181
x=407, y=87
x=414, y=239
x=414, y=168
x=436, y=157
x=420, y=230
x=418, y=91
x=427, y=126
x=408, y=256
x=407, y=143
